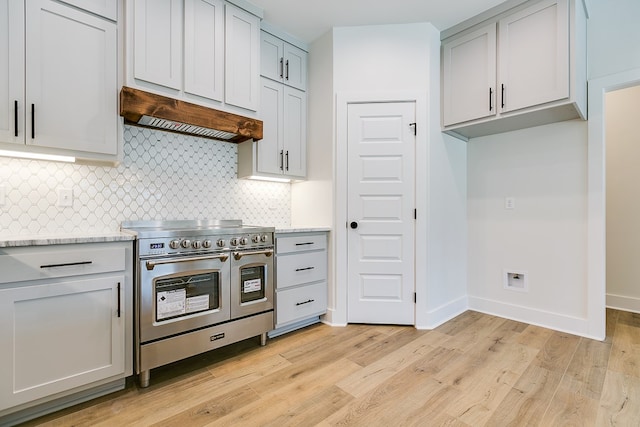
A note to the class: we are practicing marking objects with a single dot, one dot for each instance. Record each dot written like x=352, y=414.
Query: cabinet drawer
x=296, y=269
x=51, y=263
x=299, y=303
x=301, y=243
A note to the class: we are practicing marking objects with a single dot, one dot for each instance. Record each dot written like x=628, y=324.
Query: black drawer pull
x=118, y=299
x=306, y=268
x=306, y=302
x=69, y=264
x=304, y=244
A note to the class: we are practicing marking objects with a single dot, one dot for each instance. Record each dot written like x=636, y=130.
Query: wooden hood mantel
x=146, y=109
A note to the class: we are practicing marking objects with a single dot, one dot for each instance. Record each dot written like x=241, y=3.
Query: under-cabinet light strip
x=37, y=156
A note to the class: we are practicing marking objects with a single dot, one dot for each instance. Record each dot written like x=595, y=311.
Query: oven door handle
x=267, y=252
x=152, y=264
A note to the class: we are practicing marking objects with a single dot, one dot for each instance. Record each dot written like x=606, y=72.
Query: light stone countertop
x=63, y=239
x=301, y=229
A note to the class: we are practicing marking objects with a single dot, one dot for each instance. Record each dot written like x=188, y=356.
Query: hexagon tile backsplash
x=162, y=176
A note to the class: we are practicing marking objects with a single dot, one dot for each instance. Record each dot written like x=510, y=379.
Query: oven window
x=252, y=283
x=180, y=296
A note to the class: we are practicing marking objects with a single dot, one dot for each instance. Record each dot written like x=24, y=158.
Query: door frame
x=596, y=190
x=338, y=293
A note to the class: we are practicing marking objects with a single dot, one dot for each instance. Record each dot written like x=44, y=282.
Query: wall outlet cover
x=515, y=280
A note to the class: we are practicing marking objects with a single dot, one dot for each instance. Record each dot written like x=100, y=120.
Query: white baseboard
x=559, y=322
x=623, y=303
x=329, y=318
x=445, y=312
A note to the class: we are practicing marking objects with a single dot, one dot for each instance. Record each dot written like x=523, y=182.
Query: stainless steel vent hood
x=146, y=109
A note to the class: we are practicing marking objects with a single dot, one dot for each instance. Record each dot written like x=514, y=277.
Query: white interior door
x=380, y=212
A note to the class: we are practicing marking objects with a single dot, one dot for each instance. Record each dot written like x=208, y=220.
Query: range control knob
x=255, y=239
x=235, y=241
x=185, y=243
x=206, y=244
x=174, y=244
x=263, y=238
x=244, y=241
x=197, y=244
x=220, y=243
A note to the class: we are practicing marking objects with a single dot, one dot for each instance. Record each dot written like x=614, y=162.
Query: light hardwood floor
x=475, y=370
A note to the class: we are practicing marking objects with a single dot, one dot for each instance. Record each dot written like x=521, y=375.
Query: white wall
x=312, y=201
x=613, y=36
x=544, y=169
x=623, y=203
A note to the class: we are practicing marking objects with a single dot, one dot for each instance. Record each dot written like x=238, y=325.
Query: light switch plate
x=65, y=197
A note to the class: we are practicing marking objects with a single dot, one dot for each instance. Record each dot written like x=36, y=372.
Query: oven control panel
x=196, y=244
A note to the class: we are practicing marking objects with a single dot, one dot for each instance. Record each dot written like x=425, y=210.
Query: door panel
x=381, y=147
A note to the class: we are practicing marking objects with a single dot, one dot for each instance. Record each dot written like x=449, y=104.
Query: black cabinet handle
x=281, y=160
x=33, y=121
x=304, y=244
x=287, y=74
x=281, y=67
x=353, y=225
x=305, y=302
x=490, y=100
x=502, y=95
x=15, y=117
x=118, y=299
x=68, y=264
x=304, y=269
x=287, y=160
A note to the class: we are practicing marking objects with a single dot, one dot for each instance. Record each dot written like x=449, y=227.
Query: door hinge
x=415, y=297
x=415, y=128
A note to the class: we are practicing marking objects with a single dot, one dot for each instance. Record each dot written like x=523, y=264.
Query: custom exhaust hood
x=146, y=109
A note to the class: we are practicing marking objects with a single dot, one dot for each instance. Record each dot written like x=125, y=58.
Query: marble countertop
x=63, y=239
x=301, y=229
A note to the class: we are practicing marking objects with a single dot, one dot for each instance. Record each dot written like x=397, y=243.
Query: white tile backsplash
x=162, y=176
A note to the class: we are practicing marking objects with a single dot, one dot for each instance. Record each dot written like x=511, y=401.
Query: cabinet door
x=270, y=154
x=204, y=48
x=242, y=58
x=106, y=8
x=295, y=67
x=534, y=55
x=469, y=76
x=295, y=132
x=71, y=70
x=11, y=71
x=55, y=337
x=157, y=42
x=271, y=57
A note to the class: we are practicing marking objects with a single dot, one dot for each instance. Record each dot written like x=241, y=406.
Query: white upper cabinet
x=524, y=67
x=158, y=42
x=283, y=62
x=534, y=56
x=469, y=64
x=204, y=48
x=242, y=58
x=202, y=51
x=105, y=8
x=12, y=76
x=60, y=67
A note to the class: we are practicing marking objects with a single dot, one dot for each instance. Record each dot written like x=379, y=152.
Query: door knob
x=353, y=225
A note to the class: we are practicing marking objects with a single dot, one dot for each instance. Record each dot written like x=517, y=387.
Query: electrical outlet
x=509, y=203
x=65, y=197
x=3, y=195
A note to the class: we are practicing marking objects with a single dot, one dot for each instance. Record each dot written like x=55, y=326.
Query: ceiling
x=309, y=19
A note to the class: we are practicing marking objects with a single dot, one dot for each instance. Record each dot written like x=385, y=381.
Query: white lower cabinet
x=301, y=280
x=65, y=322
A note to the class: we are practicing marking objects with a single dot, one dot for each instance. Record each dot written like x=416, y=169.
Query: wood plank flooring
x=475, y=370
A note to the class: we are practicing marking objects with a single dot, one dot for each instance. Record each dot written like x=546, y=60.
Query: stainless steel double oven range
x=200, y=285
